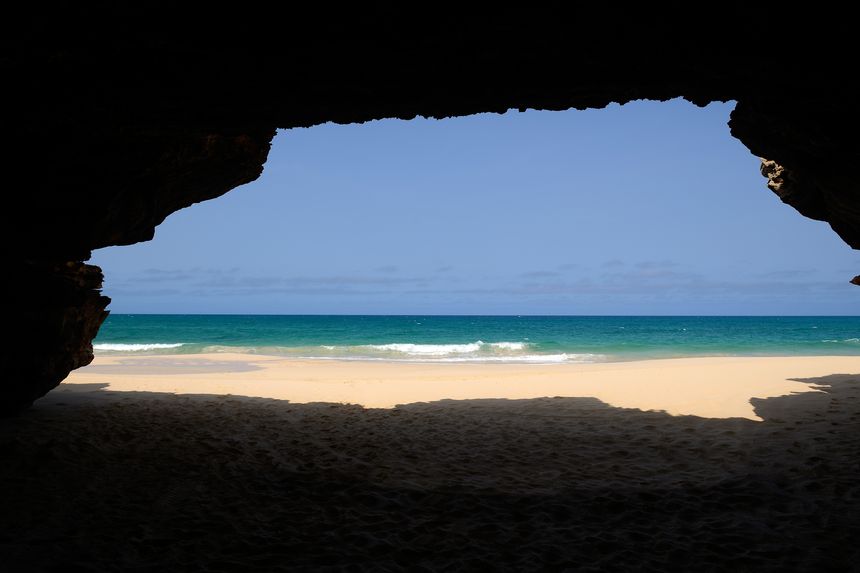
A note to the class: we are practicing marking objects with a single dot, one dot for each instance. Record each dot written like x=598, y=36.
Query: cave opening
x=650, y=209
x=647, y=208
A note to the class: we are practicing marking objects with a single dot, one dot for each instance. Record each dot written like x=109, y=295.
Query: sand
x=166, y=463
x=709, y=387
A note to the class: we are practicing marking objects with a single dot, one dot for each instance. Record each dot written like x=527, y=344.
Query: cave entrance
x=646, y=208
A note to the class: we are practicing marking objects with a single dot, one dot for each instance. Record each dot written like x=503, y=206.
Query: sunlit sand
x=708, y=387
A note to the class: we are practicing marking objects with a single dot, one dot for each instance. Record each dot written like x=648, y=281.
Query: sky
x=643, y=209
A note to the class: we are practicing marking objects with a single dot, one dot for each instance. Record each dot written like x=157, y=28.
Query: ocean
x=515, y=339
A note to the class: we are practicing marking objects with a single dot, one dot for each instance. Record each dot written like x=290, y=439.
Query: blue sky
x=647, y=208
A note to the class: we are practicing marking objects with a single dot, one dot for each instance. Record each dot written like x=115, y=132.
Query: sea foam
x=531, y=358
x=475, y=358
x=135, y=347
x=478, y=351
x=426, y=349
x=443, y=349
x=509, y=345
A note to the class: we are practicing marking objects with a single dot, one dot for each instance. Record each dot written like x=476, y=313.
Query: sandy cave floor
x=95, y=480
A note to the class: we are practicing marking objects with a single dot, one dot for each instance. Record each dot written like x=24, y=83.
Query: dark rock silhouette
x=114, y=119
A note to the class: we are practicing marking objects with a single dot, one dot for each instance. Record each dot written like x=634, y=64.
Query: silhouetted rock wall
x=113, y=120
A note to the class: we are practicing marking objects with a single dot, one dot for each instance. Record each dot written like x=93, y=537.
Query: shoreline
x=715, y=387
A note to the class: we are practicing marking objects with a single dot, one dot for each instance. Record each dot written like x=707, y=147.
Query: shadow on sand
x=94, y=480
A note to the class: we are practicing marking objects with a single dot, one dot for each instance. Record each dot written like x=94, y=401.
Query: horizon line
x=492, y=315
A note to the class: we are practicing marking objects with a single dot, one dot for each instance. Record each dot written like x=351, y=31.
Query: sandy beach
x=256, y=463
x=708, y=387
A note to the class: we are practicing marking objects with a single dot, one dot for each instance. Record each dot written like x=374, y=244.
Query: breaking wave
x=136, y=347
x=478, y=351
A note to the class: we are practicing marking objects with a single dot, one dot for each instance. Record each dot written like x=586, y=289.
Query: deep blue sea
x=529, y=339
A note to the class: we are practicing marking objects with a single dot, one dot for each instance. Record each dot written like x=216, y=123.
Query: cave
x=116, y=119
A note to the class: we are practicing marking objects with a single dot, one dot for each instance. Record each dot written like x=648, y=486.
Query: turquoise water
x=538, y=339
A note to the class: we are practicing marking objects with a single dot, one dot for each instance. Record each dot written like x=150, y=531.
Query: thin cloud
x=233, y=281
x=788, y=274
x=653, y=282
x=539, y=274
x=165, y=278
x=220, y=282
x=153, y=275
x=657, y=264
x=306, y=281
x=286, y=291
x=129, y=291
x=657, y=279
x=651, y=274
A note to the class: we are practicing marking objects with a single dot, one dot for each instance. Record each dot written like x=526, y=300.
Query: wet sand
x=479, y=473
